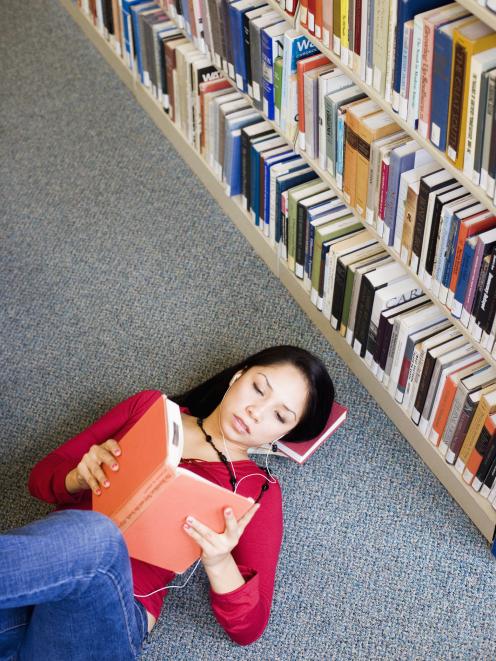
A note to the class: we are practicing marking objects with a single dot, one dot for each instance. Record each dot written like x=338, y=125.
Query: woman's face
x=263, y=404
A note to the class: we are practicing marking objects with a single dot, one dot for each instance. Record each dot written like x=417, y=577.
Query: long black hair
x=205, y=397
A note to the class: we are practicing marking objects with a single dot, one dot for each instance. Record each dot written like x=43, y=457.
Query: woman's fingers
x=246, y=518
x=112, y=446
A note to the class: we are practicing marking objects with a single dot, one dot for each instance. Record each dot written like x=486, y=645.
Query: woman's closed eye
x=278, y=415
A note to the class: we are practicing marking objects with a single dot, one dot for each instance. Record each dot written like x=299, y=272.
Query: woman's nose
x=254, y=413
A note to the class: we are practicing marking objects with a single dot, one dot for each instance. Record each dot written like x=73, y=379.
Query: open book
x=150, y=496
x=300, y=452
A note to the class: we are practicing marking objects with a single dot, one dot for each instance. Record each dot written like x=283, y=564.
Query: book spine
x=339, y=292
x=491, y=99
x=463, y=278
x=301, y=218
x=460, y=431
x=423, y=388
x=485, y=465
x=441, y=82
x=456, y=101
x=418, y=232
x=476, y=426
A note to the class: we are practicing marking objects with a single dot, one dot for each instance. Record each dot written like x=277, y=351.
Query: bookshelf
x=477, y=508
x=440, y=157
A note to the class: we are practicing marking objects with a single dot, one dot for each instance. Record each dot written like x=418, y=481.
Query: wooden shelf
x=440, y=157
x=486, y=15
x=477, y=508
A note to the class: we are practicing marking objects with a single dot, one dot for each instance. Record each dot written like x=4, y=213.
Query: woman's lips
x=240, y=426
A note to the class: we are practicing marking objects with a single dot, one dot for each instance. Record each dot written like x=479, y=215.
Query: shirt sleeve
x=47, y=479
x=244, y=612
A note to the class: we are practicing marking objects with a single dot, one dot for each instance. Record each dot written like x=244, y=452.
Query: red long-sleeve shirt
x=244, y=612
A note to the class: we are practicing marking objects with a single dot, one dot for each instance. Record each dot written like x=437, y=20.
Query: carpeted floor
x=119, y=272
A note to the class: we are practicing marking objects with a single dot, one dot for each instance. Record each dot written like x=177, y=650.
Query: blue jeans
x=66, y=592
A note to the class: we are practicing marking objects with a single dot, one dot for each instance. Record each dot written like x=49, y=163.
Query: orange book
x=319, y=9
x=150, y=496
x=304, y=13
x=475, y=224
x=303, y=65
x=477, y=455
x=358, y=110
x=447, y=397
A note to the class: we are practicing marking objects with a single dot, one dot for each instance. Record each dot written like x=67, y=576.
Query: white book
x=413, y=372
x=442, y=240
x=461, y=373
x=408, y=325
x=391, y=51
x=328, y=83
x=480, y=62
x=360, y=270
x=363, y=41
x=328, y=289
x=418, y=264
x=408, y=178
x=387, y=297
x=376, y=155
x=346, y=251
x=461, y=215
x=389, y=273
x=435, y=346
x=465, y=360
x=443, y=362
x=415, y=69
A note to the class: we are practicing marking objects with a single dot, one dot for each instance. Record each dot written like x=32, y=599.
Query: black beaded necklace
x=225, y=461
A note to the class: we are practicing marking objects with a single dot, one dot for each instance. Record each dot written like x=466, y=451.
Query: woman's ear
x=236, y=377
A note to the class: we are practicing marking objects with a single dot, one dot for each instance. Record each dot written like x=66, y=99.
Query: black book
x=432, y=182
x=385, y=327
x=370, y=283
x=174, y=34
x=491, y=171
x=107, y=16
x=249, y=133
x=480, y=285
x=455, y=193
x=489, y=456
x=491, y=476
x=485, y=313
x=326, y=246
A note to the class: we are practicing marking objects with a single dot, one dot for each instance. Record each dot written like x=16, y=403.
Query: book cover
x=442, y=16
x=481, y=448
x=150, y=496
x=407, y=9
x=468, y=40
x=301, y=452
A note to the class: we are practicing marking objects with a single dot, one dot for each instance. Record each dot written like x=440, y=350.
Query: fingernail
x=106, y=484
x=117, y=451
x=189, y=519
x=115, y=467
x=229, y=512
x=186, y=527
x=98, y=492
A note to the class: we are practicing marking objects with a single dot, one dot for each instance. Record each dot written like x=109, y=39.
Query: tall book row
x=357, y=210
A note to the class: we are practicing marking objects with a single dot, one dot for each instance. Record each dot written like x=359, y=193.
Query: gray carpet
x=119, y=272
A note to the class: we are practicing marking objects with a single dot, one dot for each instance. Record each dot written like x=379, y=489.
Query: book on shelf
x=151, y=495
x=468, y=393
x=300, y=452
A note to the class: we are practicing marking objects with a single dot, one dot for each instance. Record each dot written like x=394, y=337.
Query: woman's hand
x=216, y=547
x=89, y=474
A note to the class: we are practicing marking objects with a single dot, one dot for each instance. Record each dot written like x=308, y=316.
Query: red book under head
x=300, y=452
